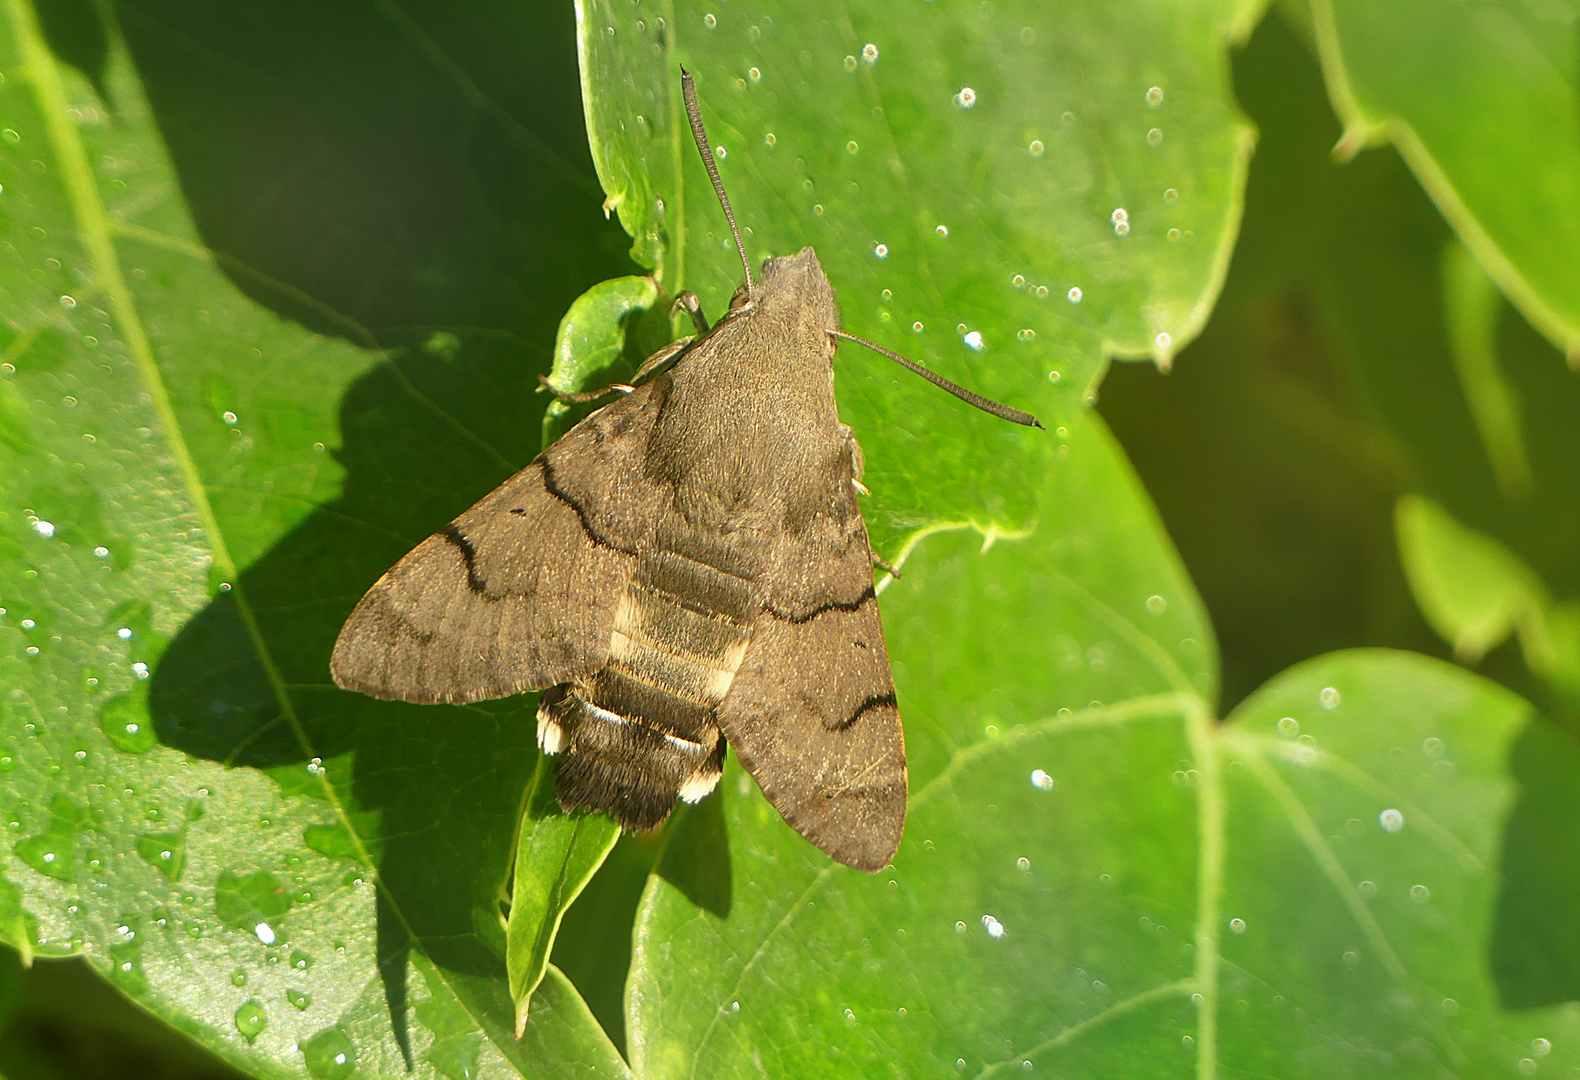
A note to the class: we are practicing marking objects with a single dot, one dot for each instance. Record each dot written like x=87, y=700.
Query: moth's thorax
x=749, y=428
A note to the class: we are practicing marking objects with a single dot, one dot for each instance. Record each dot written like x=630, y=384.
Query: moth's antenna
x=688, y=90
x=987, y=405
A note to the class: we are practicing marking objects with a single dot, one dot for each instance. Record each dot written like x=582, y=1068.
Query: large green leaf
x=197, y=488
x=1009, y=193
x=1322, y=391
x=1096, y=878
x=1483, y=101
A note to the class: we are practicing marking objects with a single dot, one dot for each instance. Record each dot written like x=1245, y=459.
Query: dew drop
x=1074, y=295
x=1541, y=1047
x=966, y=98
x=1164, y=341
x=101, y=552
x=1041, y=292
x=1527, y=1067
x=299, y=999
x=1170, y=195
x=46, y=529
x=942, y=230
x=124, y=633
x=330, y=1055
x=1155, y=96
x=1236, y=926
x=880, y=251
x=68, y=302
x=973, y=340
x=1289, y=727
x=1054, y=376
x=251, y=1019
x=229, y=418
x=960, y=927
x=869, y=54
x=710, y=21
x=1391, y=820
x=1157, y=605
x=1329, y=698
x=1036, y=148
x=1174, y=236
x=265, y=933
x=1433, y=748
x=770, y=139
x=1018, y=281
x=850, y=63
x=1027, y=334
x=754, y=74
x=1420, y=894
x=1154, y=136
x=1450, y=1007
x=917, y=327
x=995, y=928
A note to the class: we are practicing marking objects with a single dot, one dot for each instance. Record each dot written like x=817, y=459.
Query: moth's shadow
x=412, y=177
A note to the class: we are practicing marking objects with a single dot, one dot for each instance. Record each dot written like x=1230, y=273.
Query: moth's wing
x=519, y=592
x=811, y=712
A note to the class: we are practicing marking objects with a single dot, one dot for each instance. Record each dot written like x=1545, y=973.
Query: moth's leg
x=857, y=462
x=688, y=302
x=612, y=390
x=877, y=560
x=653, y=363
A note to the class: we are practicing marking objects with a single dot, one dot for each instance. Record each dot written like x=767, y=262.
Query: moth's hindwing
x=519, y=592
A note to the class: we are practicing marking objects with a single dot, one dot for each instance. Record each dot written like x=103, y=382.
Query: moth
x=685, y=569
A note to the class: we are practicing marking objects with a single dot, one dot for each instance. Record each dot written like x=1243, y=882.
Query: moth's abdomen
x=641, y=733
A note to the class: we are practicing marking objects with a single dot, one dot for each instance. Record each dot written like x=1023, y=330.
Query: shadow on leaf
x=348, y=172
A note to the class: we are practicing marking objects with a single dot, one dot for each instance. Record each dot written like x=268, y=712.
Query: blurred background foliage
x=1367, y=445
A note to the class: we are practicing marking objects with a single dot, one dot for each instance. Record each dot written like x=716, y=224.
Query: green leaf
x=1483, y=101
x=1055, y=187
x=1097, y=878
x=1473, y=590
x=1471, y=305
x=590, y=340
x=196, y=488
x=556, y=855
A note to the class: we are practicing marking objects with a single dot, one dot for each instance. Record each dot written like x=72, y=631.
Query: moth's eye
x=739, y=300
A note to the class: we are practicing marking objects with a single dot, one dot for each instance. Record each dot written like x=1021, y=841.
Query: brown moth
x=684, y=568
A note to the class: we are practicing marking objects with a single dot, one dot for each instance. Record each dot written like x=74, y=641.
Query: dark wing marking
x=519, y=592
x=811, y=712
